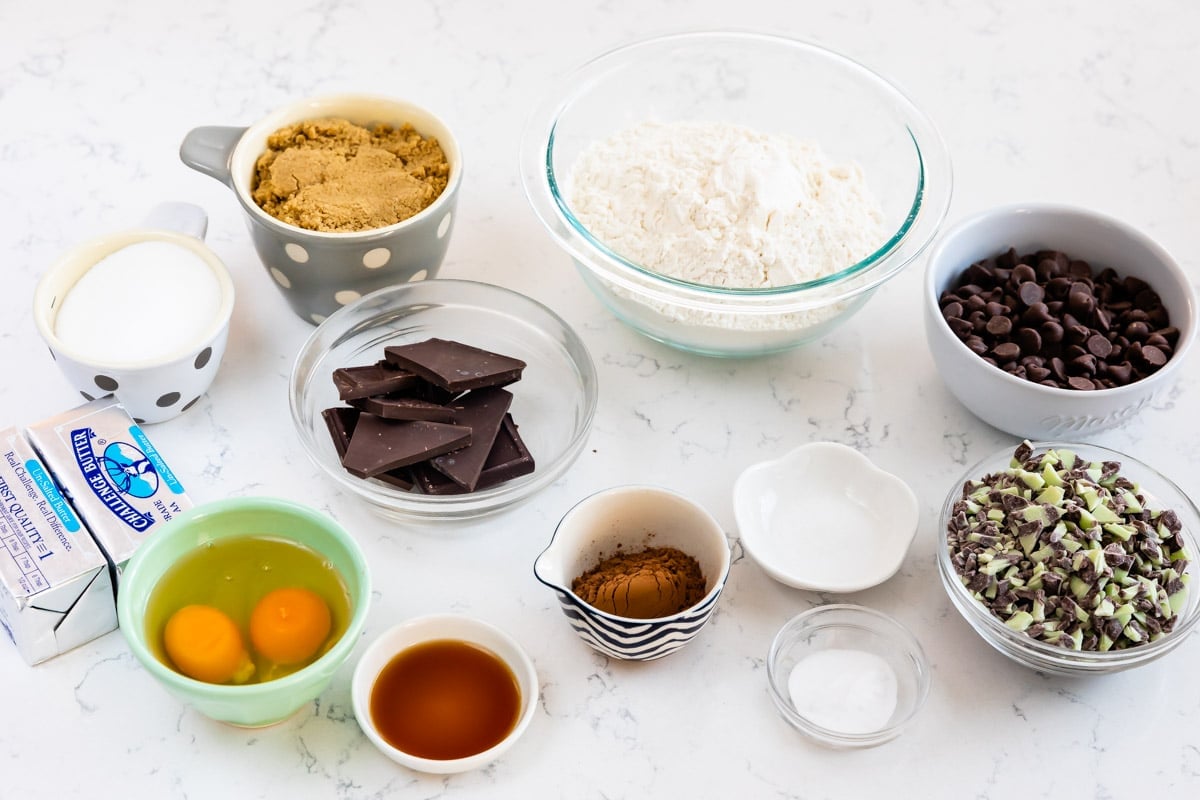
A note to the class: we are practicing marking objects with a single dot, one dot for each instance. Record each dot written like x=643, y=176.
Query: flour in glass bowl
x=724, y=205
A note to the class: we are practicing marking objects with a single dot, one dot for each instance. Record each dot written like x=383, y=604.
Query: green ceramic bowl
x=250, y=705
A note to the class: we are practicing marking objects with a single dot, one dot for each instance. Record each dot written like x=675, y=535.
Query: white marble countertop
x=1086, y=102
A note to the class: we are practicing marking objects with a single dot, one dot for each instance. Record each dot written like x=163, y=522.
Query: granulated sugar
x=724, y=205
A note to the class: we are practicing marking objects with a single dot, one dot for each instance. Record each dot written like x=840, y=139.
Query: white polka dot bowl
x=553, y=403
x=320, y=272
x=155, y=343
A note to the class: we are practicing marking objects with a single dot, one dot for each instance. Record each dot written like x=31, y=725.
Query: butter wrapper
x=112, y=474
x=55, y=587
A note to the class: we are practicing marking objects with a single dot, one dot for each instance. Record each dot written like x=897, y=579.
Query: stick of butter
x=112, y=474
x=55, y=586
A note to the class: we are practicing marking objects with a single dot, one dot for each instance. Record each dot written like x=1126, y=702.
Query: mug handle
x=208, y=149
x=186, y=218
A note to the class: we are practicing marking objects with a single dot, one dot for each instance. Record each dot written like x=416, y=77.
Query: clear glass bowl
x=553, y=404
x=849, y=627
x=833, y=101
x=1158, y=490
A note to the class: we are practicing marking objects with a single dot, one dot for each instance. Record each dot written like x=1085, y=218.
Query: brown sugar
x=334, y=176
x=651, y=583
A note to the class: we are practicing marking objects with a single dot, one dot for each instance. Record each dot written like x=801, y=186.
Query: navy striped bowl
x=632, y=518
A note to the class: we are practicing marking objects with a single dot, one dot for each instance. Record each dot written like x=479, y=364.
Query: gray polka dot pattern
x=106, y=383
x=168, y=399
x=203, y=357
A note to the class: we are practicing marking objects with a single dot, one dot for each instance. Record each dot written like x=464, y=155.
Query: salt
x=848, y=691
x=145, y=302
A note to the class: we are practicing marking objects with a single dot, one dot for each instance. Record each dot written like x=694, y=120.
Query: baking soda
x=143, y=303
x=848, y=691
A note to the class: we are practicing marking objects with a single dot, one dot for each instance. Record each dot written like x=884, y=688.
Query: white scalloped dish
x=823, y=517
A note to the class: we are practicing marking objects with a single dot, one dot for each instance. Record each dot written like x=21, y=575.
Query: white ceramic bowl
x=153, y=389
x=820, y=630
x=633, y=518
x=823, y=517
x=431, y=628
x=1018, y=406
x=735, y=76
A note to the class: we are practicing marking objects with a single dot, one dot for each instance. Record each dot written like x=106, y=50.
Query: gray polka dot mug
x=319, y=272
x=142, y=314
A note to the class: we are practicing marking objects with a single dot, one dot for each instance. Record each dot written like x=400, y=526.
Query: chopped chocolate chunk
x=379, y=444
x=455, y=366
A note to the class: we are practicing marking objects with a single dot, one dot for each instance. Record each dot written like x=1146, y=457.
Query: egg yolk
x=289, y=625
x=204, y=643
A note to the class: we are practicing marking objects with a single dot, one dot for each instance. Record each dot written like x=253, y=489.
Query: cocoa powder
x=651, y=583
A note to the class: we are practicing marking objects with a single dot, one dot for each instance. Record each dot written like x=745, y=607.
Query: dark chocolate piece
x=455, y=366
x=483, y=411
x=379, y=445
x=400, y=477
x=379, y=378
x=391, y=406
x=340, y=421
x=508, y=459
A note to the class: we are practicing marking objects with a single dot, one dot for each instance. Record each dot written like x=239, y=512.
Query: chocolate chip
x=1079, y=269
x=1029, y=340
x=1083, y=365
x=1023, y=273
x=961, y=327
x=1080, y=383
x=1030, y=293
x=1036, y=314
x=952, y=309
x=1006, y=351
x=1137, y=330
x=1153, y=356
x=1099, y=346
x=999, y=326
x=1037, y=374
x=1052, y=332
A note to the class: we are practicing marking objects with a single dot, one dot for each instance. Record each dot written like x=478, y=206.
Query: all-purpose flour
x=724, y=205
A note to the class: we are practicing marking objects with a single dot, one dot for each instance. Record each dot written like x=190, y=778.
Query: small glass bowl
x=849, y=627
x=1158, y=490
x=553, y=403
x=735, y=76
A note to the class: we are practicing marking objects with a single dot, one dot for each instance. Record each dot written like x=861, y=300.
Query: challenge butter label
x=115, y=477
